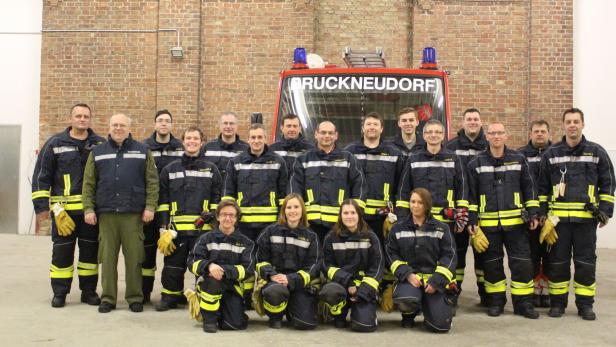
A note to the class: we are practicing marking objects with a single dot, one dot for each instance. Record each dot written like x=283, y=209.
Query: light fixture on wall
x=177, y=52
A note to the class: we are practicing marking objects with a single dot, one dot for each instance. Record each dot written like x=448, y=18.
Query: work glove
x=601, y=216
x=387, y=299
x=204, y=218
x=479, y=240
x=194, y=308
x=548, y=231
x=461, y=218
x=257, y=298
x=448, y=213
x=165, y=242
x=64, y=222
x=388, y=223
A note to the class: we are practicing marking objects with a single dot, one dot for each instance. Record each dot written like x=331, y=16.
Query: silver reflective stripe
x=174, y=175
x=467, y=152
x=407, y=234
x=424, y=164
x=173, y=153
x=134, y=155
x=351, y=245
x=325, y=163
x=257, y=166
x=288, y=154
x=193, y=173
x=225, y=247
x=513, y=167
x=374, y=157
x=290, y=241
x=575, y=159
x=63, y=149
x=533, y=159
x=105, y=156
x=156, y=154
x=221, y=154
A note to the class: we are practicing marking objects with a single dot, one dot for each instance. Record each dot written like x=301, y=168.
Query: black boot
x=210, y=327
x=545, y=301
x=526, y=310
x=556, y=311
x=495, y=311
x=340, y=323
x=275, y=323
x=586, y=313
x=408, y=320
x=90, y=298
x=165, y=304
x=59, y=300
x=536, y=300
x=146, y=298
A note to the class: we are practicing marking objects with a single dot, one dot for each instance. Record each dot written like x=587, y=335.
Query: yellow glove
x=479, y=240
x=194, y=307
x=64, y=222
x=389, y=222
x=548, y=231
x=387, y=300
x=257, y=298
x=165, y=242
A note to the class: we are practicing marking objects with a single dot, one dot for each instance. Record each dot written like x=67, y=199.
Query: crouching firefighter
x=221, y=259
x=190, y=187
x=421, y=253
x=288, y=259
x=353, y=264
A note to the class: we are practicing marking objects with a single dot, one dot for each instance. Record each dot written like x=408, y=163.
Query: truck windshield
x=346, y=99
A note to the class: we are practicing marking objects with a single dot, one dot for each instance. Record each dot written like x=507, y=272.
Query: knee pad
x=407, y=305
x=332, y=293
x=275, y=294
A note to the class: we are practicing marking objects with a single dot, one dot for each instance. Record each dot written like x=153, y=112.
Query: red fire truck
x=317, y=91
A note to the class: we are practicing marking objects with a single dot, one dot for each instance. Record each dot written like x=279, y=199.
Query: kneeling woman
x=353, y=264
x=221, y=259
x=421, y=253
x=288, y=258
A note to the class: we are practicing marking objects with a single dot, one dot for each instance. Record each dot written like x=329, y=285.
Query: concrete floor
x=27, y=318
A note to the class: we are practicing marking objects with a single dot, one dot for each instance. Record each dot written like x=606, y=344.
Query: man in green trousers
x=120, y=192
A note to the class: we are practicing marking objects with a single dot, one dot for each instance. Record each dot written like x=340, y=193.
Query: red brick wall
x=511, y=59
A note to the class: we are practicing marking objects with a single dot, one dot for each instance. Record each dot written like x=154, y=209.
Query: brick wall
x=511, y=59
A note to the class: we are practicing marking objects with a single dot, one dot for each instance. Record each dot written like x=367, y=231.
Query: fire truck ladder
x=364, y=58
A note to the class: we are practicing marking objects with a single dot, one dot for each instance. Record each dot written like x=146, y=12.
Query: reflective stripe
x=170, y=292
x=257, y=166
x=482, y=203
x=87, y=269
x=569, y=205
x=331, y=272
x=520, y=288
x=105, y=156
x=402, y=203
x=210, y=302
x=337, y=308
x=581, y=289
x=134, y=156
x=531, y=203
x=310, y=196
x=480, y=276
x=240, y=197
x=445, y=272
x=273, y=199
x=516, y=199
x=262, y=264
x=375, y=157
x=472, y=207
x=259, y=209
x=289, y=240
x=396, y=264
x=175, y=175
x=41, y=194
x=450, y=198
x=372, y=282
x=288, y=153
x=305, y=276
x=67, y=184
x=426, y=164
x=58, y=272
x=385, y=193
x=543, y=198
x=194, y=173
x=591, y=194
x=574, y=159
x=460, y=276
x=241, y=273
x=225, y=247
x=325, y=163
x=64, y=149
x=148, y=272
x=351, y=245
x=195, y=267
x=533, y=159
x=221, y=154
x=498, y=287
x=376, y=203
x=360, y=203
x=162, y=208
x=606, y=197
x=167, y=153
x=174, y=208
x=574, y=214
x=340, y=196
x=558, y=288
x=417, y=233
x=502, y=222
x=259, y=218
x=274, y=309
x=503, y=168
x=462, y=203
x=206, y=205
x=468, y=152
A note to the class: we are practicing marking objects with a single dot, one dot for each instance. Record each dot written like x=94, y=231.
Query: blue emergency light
x=299, y=55
x=428, y=60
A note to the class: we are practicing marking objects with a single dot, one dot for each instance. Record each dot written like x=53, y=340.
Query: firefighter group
x=305, y=233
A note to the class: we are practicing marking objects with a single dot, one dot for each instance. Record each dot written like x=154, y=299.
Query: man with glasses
x=228, y=144
x=503, y=199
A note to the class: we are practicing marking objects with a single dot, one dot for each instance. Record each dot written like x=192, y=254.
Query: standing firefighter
x=503, y=200
x=577, y=182
x=325, y=177
x=228, y=144
x=57, y=181
x=190, y=187
x=469, y=142
x=221, y=259
x=288, y=258
x=165, y=148
x=538, y=143
x=407, y=141
x=293, y=144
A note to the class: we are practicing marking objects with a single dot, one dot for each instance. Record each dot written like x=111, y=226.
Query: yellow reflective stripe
x=87, y=269
x=337, y=308
x=568, y=205
x=581, y=289
x=227, y=197
x=482, y=203
x=558, y=288
x=41, y=194
x=213, y=207
x=388, y=276
x=162, y=208
x=210, y=302
x=440, y=218
x=148, y=272
x=473, y=208
x=460, y=275
x=462, y=203
x=60, y=272
x=273, y=199
x=185, y=226
x=554, y=192
x=241, y=273
x=402, y=203
x=274, y=309
x=280, y=202
x=195, y=267
x=240, y=197
x=436, y=210
x=372, y=282
x=516, y=199
x=239, y=289
x=259, y=219
x=497, y=287
x=503, y=222
x=445, y=272
x=479, y=275
x=174, y=208
x=185, y=218
x=423, y=277
x=396, y=264
x=328, y=218
x=206, y=205
x=361, y=203
x=543, y=198
x=331, y=272
x=89, y=266
x=591, y=193
x=521, y=288
x=310, y=196
x=370, y=211
x=606, y=197
x=532, y=203
x=376, y=203
x=259, y=209
x=386, y=191
x=67, y=184
x=262, y=264
x=450, y=198
x=340, y=196
x=568, y=213
x=170, y=292
x=501, y=214
x=305, y=276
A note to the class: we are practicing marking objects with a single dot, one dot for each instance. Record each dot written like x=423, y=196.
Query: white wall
x=20, y=68
x=594, y=77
